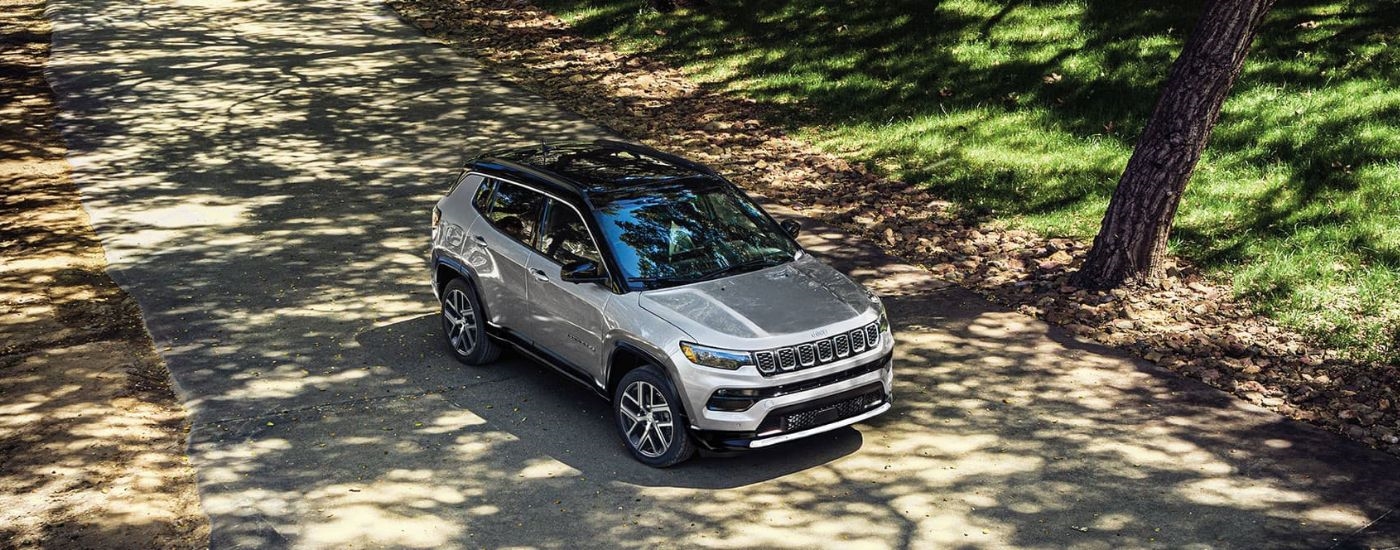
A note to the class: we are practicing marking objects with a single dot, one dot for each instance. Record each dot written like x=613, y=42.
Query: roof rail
x=648, y=151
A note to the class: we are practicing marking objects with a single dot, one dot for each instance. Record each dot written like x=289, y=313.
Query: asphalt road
x=261, y=174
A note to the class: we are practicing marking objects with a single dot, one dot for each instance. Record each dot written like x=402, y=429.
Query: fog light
x=733, y=400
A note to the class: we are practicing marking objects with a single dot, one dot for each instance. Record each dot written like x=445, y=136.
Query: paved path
x=261, y=173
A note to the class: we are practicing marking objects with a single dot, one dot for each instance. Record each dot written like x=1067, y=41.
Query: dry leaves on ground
x=1186, y=323
x=92, y=440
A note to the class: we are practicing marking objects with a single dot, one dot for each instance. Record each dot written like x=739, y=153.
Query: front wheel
x=464, y=326
x=650, y=419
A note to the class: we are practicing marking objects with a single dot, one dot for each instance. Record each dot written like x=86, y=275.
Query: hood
x=796, y=298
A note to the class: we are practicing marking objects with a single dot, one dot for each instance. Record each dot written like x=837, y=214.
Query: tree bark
x=1132, y=241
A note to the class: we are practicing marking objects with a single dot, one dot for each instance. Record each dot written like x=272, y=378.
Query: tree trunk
x=1132, y=242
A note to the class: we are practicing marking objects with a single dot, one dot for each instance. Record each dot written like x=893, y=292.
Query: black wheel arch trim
x=650, y=357
x=440, y=261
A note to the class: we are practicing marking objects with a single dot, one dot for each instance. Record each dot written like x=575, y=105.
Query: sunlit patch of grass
x=1025, y=112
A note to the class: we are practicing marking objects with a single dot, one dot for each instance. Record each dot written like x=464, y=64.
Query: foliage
x=1025, y=112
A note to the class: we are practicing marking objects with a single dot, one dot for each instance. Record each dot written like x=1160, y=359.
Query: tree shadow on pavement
x=1109, y=442
x=261, y=175
x=568, y=422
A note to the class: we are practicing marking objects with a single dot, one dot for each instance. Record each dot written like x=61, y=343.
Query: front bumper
x=797, y=407
x=700, y=386
x=803, y=419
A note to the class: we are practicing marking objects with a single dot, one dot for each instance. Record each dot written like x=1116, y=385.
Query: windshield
x=664, y=237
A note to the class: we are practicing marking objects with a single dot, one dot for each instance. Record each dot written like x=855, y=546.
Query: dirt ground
x=92, y=439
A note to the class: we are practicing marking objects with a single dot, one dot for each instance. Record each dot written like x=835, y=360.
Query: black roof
x=591, y=167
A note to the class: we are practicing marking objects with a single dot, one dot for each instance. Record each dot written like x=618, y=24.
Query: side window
x=515, y=210
x=483, y=194
x=565, y=237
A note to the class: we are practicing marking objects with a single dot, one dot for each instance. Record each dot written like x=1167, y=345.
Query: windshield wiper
x=661, y=282
x=750, y=265
x=759, y=263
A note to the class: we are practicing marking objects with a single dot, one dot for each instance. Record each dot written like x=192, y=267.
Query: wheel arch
x=446, y=269
x=626, y=357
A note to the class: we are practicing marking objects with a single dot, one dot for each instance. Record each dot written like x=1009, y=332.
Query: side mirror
x=582, y=272
x=791, y=227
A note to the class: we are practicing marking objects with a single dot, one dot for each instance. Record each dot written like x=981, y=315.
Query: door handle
x=479, y=240
x=539, y=275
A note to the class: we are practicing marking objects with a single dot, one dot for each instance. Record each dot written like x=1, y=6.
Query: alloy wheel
x=461, y=321
x=647, y=420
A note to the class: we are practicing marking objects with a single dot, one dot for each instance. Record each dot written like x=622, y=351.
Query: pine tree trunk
x=1132, y=242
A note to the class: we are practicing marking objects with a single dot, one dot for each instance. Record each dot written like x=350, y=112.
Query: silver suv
x=660, y=285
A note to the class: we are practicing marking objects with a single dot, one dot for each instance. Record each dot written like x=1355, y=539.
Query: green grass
x=1025, y=112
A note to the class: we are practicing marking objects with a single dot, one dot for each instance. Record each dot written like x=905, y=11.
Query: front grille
x=766, y=361
x=787, y=359
x=824, y=380
x=819, y=352
x=831, y=412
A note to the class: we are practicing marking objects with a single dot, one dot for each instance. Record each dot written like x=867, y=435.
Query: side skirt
x=544, y=357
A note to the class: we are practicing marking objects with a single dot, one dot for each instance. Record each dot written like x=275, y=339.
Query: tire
x=463, y=327
x=650, y=418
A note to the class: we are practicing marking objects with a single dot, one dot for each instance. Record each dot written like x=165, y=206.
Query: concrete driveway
x=261, y=173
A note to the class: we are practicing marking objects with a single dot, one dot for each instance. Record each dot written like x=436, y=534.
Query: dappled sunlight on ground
x=103, y=466
x=262, y=175
x=279, y=161
x=91, y=437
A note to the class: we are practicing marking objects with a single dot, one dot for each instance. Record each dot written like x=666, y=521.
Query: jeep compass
x=663, y=287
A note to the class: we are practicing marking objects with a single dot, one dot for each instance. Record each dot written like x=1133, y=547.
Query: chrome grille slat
x=819, y=352
x=787, y=359
x=767, y=364
x=843, y=345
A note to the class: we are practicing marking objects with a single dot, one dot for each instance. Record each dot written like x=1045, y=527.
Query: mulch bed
x=92, y=437
x=1186, y=323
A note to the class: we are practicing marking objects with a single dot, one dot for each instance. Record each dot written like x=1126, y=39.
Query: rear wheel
x=650, y=419
x=463, y=325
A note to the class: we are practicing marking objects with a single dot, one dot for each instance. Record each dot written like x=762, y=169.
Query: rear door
x=567, y=318
x=504, y=242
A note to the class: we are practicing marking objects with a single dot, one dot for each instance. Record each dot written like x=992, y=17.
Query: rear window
x=515, y=210
x=483, y=194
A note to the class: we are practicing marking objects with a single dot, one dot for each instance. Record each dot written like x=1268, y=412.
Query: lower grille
x=806, y=416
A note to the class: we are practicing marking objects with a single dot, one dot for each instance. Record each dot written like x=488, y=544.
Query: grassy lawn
x=1024, y=112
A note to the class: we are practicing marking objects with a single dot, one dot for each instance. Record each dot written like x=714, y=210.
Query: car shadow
x=578, y=430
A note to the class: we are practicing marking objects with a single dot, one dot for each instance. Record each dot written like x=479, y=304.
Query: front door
x=566, y=318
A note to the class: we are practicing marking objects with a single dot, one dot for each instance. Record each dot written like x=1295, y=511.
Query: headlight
x=715, y=357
